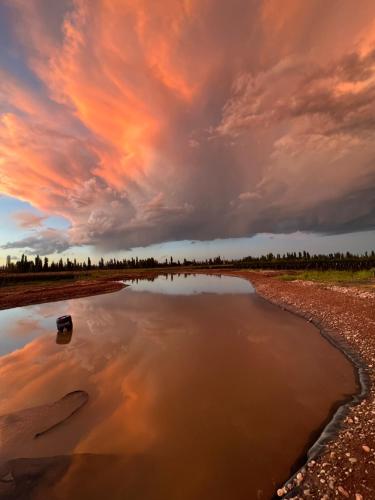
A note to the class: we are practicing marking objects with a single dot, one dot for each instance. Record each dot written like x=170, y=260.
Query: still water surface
x=198, y=389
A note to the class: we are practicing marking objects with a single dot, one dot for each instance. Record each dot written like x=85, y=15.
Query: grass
x=331, y=276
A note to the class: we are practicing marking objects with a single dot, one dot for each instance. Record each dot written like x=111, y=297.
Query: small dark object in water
x=64, y=322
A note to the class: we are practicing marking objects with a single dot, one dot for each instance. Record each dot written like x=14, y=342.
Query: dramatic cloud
x=143, y=122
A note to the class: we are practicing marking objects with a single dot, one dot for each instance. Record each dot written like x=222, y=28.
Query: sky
x=186, y=127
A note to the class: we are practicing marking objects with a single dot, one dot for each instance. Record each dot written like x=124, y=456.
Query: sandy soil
x=346, y=466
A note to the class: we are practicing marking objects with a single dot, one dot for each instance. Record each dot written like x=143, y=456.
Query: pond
x=188, y=387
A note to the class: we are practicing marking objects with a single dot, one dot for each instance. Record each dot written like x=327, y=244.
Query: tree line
x=305, y=261
x=36, y=264
x=296, y=261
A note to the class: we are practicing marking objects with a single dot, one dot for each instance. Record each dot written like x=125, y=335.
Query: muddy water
x=197, y=389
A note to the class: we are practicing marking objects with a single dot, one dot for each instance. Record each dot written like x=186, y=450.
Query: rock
x=299, y=478
x=366, y=448
x=343, y=491
x=281, y=492
x=7, y=478
x=358, y=496
x=352, y=460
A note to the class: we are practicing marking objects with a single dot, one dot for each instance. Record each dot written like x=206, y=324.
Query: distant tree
x=38, y=264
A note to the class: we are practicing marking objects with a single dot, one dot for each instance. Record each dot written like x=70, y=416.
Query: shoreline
x=341, y=461
x=337, y=465
x=334, y=423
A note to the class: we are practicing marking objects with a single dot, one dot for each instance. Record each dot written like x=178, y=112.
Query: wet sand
x=188, y=402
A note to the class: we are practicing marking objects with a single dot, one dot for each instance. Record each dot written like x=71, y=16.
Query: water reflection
x=64, y=337
x=191, y=395
x=191, y=284
x=19, y=326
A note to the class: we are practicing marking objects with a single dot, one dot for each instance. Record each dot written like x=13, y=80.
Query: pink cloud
x=28, y=220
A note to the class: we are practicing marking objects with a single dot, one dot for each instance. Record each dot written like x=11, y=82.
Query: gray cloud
x=341, y=95
x=320, y=175
x=44, y=242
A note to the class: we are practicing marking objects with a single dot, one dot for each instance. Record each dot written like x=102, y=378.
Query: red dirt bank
x=32, y=293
